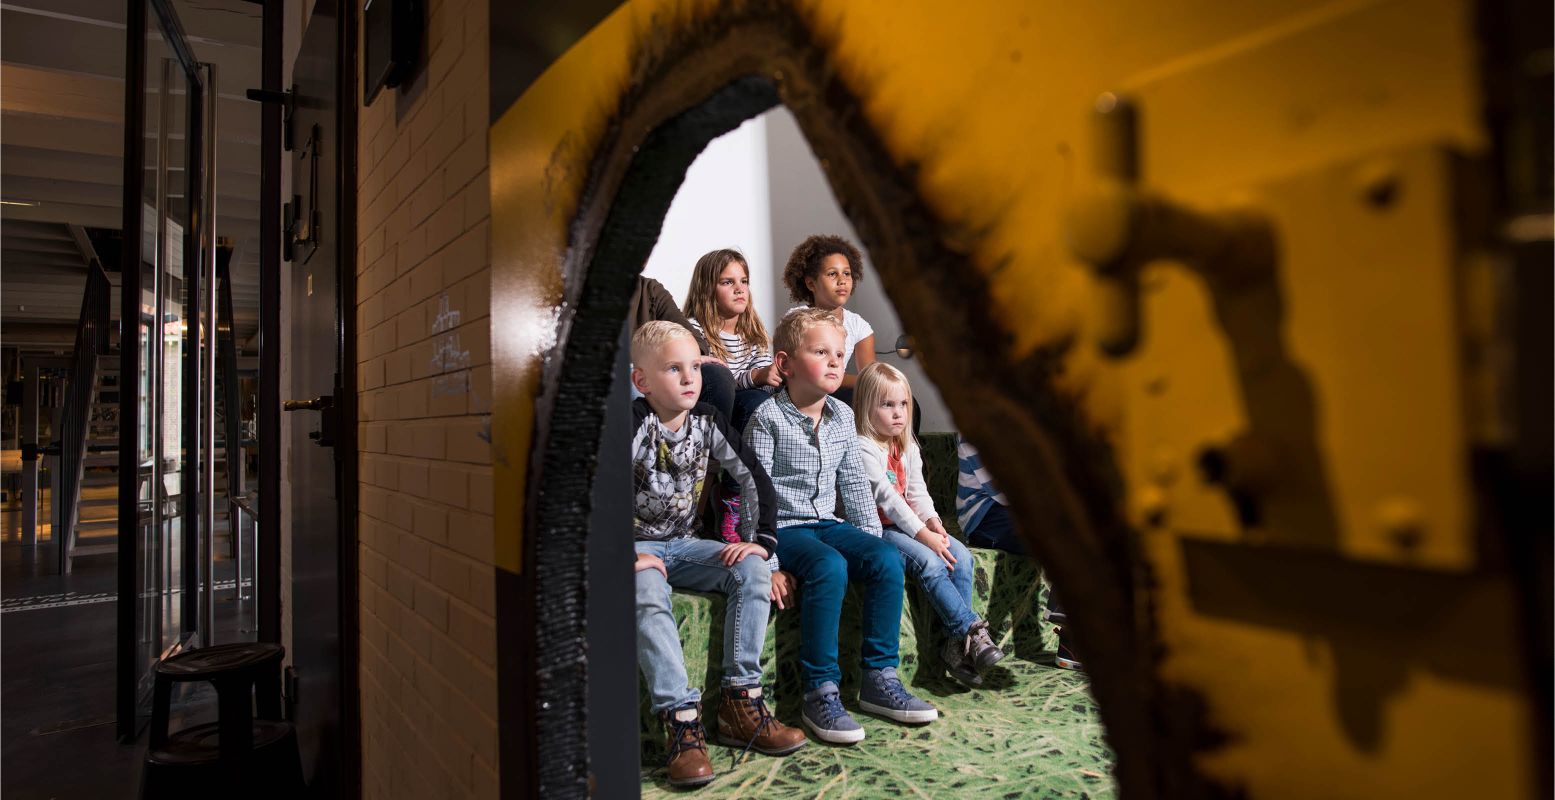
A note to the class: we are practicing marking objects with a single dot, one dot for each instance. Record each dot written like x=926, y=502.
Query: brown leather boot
x=687, y=764
x=743, y=721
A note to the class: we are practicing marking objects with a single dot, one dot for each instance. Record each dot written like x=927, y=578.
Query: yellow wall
x=1336, y=673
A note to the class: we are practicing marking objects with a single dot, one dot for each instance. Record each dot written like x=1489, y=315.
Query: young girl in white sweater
x=882, y=410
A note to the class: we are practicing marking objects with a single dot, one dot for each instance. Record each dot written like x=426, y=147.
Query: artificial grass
x=1031, y=731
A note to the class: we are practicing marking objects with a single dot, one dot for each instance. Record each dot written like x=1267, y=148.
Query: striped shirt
x=856, y=328
x=744, y=357
x=975, y=492
x=813, y=467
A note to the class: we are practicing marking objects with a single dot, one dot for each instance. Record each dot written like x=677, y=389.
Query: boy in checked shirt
x=806, y=443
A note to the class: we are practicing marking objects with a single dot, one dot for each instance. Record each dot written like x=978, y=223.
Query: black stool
x=244, y=753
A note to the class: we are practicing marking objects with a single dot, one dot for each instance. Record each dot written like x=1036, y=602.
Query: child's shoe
x=729, y=529
x=687, y=764
x=744, y=721
x=1065, y=658
x=965, y=658
x=884, y=695
x=827, y=719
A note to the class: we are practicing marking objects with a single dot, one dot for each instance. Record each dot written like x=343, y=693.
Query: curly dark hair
x=806, y=260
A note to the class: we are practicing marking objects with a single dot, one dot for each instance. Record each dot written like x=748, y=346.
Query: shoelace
x=894, y=688
x=830, y=706
x=763, y=721
x=678, y=731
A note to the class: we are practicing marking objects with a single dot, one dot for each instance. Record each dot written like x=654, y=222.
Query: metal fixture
x=1117, y=228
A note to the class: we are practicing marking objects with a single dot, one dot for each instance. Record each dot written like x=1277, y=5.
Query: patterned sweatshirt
x=669, y=471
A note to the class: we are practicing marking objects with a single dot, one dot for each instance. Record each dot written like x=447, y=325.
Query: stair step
x=103, y=549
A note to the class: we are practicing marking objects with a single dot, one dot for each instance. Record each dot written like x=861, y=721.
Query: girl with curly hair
x=821, y=273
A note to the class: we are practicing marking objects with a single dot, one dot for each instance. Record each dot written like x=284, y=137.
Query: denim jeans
x=949, y=590
x=718, y=388
x=695, y=564
x=996, y=531
x=745, y=402
x=825, y=556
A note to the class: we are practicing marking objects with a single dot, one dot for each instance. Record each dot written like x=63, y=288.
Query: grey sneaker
x=971, y=654
x=827, y=719
x=980, y=646
x=884, y=696
x=958, y=663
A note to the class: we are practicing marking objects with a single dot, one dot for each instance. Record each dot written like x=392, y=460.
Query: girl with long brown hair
x=719, y=305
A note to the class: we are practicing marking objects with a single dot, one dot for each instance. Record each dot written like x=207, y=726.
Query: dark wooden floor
x=57, y=645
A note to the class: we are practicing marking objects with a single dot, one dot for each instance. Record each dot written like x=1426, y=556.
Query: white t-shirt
x=856, y=327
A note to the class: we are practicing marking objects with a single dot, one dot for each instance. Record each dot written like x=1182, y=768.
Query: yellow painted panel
x=990, y=108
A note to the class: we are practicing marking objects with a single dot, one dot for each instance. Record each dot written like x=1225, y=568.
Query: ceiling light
x=27, y=203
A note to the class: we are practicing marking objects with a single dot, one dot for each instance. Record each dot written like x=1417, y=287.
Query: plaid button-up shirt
x=812, y=466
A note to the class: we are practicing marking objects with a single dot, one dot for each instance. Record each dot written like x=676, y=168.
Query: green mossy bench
x=1009, y=591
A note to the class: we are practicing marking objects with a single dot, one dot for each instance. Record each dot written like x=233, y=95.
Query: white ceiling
x=61, y=136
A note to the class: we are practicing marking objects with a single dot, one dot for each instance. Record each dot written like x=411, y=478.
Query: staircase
x=96, y=529
x=97, y=518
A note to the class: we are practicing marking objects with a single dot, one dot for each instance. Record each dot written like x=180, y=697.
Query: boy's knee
x=885, y=562
x=652, y=588
x=753, y=575
x=828, y=571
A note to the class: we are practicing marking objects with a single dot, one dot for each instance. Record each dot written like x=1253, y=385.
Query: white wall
x=802, y=205
x=722, y=203
x=760, y=190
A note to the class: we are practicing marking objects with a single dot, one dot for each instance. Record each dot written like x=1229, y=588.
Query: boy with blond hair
x=806, y=443
x=674, y=437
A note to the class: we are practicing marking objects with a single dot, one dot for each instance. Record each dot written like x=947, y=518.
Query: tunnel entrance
x=1030, y=728
x=1060, y=479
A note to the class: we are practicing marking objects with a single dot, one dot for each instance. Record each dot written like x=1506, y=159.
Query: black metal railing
x=75, y=420
x=227, y=369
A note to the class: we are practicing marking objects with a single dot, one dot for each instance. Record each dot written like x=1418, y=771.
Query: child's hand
x=650, y=561
x=732, y=553
x=782, y=588
x=939, y=528
x=940, y=544
x=766, y=376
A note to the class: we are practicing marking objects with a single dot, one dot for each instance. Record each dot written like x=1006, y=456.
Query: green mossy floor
x=1032, y=731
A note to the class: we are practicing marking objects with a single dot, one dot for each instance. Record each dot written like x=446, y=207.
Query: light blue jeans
x=695, y=564
x=949, y=590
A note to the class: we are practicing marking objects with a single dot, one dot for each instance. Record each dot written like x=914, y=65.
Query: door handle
x=325, y=435
x=316, y=404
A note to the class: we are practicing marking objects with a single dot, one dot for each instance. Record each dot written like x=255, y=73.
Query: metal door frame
x=130, y=350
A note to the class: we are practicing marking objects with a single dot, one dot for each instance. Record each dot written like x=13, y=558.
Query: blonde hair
x=652, y=336
x=873, y=383
x=702, y=303
x=791, y=331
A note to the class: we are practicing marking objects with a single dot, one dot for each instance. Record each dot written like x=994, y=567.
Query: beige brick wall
x=428, y=637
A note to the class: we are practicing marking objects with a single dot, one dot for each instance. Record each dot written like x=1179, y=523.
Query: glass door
x=164, y=583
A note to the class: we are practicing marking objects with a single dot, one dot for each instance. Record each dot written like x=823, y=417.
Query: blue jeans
x=718, y=388
x=745, y=402
x=996, y=531
x=825, y=556
x=949, y=589
x=695, y=564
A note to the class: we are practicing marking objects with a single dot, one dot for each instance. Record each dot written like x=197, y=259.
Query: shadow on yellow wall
x=1263, y=495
